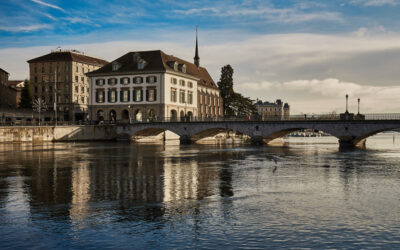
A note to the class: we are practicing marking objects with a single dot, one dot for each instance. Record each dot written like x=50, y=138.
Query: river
x=302, y=193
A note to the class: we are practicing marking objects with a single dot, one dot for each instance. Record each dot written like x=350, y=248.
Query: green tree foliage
x=26, y=96
x=233, y=103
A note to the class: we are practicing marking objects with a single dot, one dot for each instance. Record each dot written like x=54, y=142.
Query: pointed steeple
x=196, y=56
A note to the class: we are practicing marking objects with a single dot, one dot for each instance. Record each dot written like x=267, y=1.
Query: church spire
x=196, y=56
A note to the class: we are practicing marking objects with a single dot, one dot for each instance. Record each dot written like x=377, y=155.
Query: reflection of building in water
x=80, y=183
x=137, y=179
x=180, y=180
x=186, y=180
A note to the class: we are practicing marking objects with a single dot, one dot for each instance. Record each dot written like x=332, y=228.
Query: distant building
x=14, y=93
x=72, y=83
x=3, y=77
x=10, y=90
x=151, y=84
x=273, y=110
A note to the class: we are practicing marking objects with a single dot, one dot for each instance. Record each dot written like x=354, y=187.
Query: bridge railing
x=390, y=116
x=303, y=117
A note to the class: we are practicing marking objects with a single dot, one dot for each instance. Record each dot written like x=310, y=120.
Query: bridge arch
x=283, y=132
x=361, y=139
x=199, y=134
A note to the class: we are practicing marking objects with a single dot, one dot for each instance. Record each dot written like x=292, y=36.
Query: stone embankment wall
x=59, y=133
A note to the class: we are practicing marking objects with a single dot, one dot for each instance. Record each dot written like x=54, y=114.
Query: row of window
x=207, y=100
x=82, y=89
x=50, y=79
x=57, y=68
x=208, y=110
x=44, y=89
x=125, y=95
x=182, y=96
x=82, y=79
x=174, y=81
x=49, y=100
x=126, y=80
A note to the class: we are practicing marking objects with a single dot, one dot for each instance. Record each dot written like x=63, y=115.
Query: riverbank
x=36, y=134
x=76, y=133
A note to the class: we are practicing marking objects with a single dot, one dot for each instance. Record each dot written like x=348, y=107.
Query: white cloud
x=323, y=96
x=27, y=28
x=48, y=5
x=269, y=66
x=375, y=3
x=271, y=14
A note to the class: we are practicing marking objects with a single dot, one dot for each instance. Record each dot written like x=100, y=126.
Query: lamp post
x=358, y=105
x=347, y=103
x=55, y=97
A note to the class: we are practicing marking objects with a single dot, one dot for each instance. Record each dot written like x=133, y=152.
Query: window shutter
x=155, y=94
x=129, y=96
x=141, y=95
x=97, y=96
x=121, y=95
x=147, y=94
x=134, y=95
x=109, y=95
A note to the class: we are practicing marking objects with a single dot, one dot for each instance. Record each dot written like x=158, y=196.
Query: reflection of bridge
x=349, y=132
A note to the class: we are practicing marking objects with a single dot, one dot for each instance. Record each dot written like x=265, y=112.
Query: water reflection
x=195, y=194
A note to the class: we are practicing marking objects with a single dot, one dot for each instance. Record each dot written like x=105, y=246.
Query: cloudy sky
x=308, y=53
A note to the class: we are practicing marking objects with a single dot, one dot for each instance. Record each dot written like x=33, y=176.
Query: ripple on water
x=304, y=194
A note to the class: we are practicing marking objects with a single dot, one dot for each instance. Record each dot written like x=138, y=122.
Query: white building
x=152, y=85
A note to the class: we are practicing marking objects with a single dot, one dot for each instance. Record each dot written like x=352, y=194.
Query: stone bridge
x=348, y=132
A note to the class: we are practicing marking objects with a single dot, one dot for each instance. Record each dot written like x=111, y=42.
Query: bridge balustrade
x=13, y=121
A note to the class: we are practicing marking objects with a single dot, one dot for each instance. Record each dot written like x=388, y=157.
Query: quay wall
x=52, y=134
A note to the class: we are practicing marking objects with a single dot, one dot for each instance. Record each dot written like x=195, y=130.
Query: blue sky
x=300, y=51
x=51, y=22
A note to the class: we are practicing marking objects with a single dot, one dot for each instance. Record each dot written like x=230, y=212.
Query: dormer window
x=182, y=68
x=141, y=64
x=176, y=65
x=115, y=66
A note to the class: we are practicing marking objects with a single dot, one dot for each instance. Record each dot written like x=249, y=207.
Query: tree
x=26, y=96
x=39, y=105
x=225, y=86
x=234, y=104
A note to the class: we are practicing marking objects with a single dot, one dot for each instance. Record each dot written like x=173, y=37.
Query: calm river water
x=302, y=194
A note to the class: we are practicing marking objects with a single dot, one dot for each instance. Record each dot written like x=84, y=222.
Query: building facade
x=10, y=90
x=151, y=85
x=13, y=93
x=3, y=77
x=72, y=84
x=273, y=110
